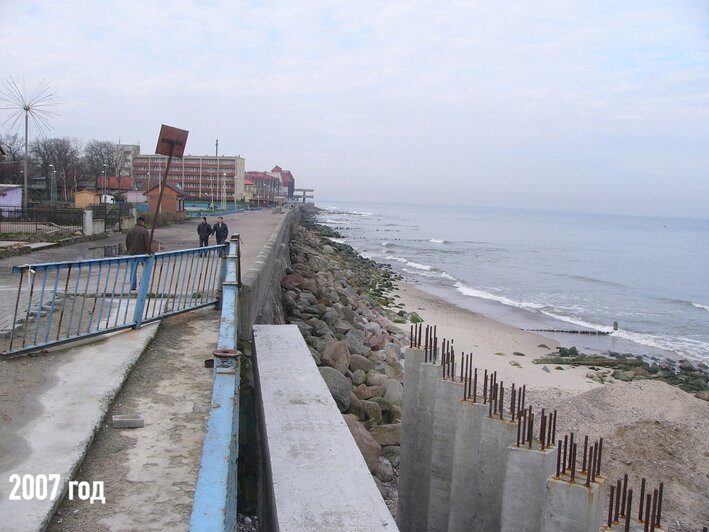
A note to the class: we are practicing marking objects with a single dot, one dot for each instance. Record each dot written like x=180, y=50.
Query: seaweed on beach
x=626, y=367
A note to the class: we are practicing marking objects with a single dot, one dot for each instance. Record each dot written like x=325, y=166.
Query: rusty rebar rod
x=571, y=446
x=629, y=509
x=512, y=402
x=530, y=430
x=588, y=470
x=558, y=459
x=502, y=399
x=653, y=513
x=565, y=444
x=642, y=499
x=616, y=513
x=553, y=430
x=519, y=431
x=573, y=463
x=659, y=505
x=485, y=389
x=585, y=452
x=609, y=521
x=598, y=457
x=648, y=504
x=542, y=430
x=475, y=386
x=625, y=494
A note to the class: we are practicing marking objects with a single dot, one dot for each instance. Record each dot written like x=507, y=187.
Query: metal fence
x=64, y=301
x=40, y=219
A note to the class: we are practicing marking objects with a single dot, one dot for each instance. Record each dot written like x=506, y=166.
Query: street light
x=104, y=177
x=51, y=184
x=224, y=191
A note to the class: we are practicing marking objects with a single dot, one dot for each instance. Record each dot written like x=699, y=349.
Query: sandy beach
x=651, y=430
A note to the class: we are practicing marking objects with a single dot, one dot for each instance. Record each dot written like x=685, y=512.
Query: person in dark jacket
x=220, y=230
x=204, y=230
x=137, y=243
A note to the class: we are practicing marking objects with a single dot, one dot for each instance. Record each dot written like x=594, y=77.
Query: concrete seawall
x=260, y=295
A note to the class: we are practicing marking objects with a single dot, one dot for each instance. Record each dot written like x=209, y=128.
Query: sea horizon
x=540, y=269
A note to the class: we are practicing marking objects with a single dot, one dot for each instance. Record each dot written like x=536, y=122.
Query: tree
x=11, y=166
x=64, y=154
x=99, y=153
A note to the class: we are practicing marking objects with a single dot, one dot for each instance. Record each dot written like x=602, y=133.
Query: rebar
x=616, y=514
x=653, y=513
x=625, y=494
x=629, y=510
x=609, y=521
x=659, y=505
x=642, y=499
x=585, y=452
x=648, y=503
x=588, y=470
x=558, y=459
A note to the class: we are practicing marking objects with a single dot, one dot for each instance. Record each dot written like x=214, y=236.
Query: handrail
x=214, y=508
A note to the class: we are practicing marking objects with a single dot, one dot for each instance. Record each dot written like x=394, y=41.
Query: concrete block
x=495, y=437
x=573, y=507
x=131, y=421
x=409, y=420
x=469, y=417
x=448, y=395
x=428, y=376
x=523, y=490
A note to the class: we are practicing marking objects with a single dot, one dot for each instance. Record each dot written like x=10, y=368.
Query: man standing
x=220, y=230
x=204, y=230
x=137, y=243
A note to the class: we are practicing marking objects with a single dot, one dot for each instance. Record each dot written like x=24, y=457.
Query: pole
x=162, y=189
x=27, y=129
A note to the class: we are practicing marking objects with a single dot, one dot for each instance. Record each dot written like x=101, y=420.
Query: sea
x=551, y=271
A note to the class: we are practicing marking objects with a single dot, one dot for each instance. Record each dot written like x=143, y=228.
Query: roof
x=86, y=192
x=167, y=185
x=115, y=183
x=249, y=181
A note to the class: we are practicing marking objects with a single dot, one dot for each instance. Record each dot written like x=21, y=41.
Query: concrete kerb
x=255, y=283
x=58, y=442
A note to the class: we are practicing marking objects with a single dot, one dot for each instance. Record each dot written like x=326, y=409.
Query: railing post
x=148, y=263
x=214, y=508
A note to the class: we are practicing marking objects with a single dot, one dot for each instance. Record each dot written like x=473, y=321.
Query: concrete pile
x=340, y=302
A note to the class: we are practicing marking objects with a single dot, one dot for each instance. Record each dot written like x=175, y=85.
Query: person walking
x=204, y=230
x=220, y=230
x=137, y=243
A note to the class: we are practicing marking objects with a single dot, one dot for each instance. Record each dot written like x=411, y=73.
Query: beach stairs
x=473, y=459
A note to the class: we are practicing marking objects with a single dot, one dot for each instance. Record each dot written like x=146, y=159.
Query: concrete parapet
x=495, y=436
x=409, y=421
x=428, y=375
x=523, y=494
x=573, y=507
x=448, y=395
x=469, y=417
x=315, y=476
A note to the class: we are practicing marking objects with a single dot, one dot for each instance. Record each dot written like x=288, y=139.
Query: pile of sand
x=652, y=430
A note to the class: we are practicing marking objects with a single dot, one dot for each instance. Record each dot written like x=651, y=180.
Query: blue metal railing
x=214, y=508
x=64, y=301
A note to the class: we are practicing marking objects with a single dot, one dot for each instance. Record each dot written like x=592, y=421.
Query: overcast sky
x=591, y=105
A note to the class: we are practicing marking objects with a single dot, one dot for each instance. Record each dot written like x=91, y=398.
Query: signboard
x=171, y=142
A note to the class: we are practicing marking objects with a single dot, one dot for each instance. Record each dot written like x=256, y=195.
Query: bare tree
x=11, y=166
x=98, y=153
x=64, y=154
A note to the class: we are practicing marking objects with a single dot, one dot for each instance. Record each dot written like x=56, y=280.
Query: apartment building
x=200, y=177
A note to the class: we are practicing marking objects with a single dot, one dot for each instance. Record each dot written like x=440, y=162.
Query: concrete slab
x=310, y=451
x=54, y=437
x=573, y=507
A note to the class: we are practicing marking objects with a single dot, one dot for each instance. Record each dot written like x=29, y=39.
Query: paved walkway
x=51, y=406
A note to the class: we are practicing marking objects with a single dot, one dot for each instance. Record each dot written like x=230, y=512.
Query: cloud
x=470, y=95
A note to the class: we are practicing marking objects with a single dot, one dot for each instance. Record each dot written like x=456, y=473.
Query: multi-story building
x=200, y=177
x=264, y=188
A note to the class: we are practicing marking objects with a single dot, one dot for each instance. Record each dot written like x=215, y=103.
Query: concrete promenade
x=52, y=405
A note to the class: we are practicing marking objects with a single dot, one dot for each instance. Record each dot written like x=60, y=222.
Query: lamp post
x=224, y=191
x=52, y=180
x=104, y=177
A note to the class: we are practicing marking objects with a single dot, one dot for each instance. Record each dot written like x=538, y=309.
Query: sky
x=593, y=106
